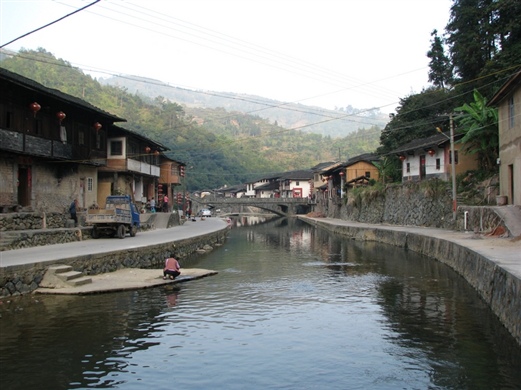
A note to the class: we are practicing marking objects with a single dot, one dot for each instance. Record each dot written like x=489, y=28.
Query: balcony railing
x=35, y=146
x=142, y=167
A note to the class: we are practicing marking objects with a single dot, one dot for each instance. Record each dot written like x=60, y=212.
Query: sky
x=327, y=53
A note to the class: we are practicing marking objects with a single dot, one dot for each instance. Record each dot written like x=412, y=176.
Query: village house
x=508, y=101
x=295, y=184
x=430, y=157
x=360, y=169
x=132, y=166
x=264, y=181
x=322, y=180
x=51, y=144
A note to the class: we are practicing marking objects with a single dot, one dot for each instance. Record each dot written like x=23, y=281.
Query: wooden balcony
x=35, y=146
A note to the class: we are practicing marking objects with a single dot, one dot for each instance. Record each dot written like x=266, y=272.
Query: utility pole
x=453, y=166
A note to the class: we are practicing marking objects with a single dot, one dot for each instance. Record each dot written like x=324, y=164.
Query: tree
x=440, y=73
x=471, y=44
x=417, y=117
x=479, y=124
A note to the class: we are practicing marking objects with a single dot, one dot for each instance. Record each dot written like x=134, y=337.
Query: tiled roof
x=304, y=174
x=272, y=185
x=510, y=85
x=436, y=140
x=25, y=82
x=369, y=157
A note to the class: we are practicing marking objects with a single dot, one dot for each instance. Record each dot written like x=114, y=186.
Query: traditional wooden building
x=51, y=146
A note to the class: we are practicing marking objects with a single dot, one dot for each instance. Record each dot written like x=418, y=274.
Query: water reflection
x=292, y=307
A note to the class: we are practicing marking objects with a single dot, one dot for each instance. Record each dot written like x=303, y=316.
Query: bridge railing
x=212, y=199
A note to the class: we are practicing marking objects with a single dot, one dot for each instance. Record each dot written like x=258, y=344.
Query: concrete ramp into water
x=157, y=220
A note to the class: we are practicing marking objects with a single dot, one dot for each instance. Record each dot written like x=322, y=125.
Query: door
x=24, y=185
x=422, y=167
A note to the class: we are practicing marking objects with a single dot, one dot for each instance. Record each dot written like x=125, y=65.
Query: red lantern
x=156, y=153
x=402, y=158
x=34, y=107
x=341, y=173
x=431, y=152
x=97, y=126
x=61, y=116
x=147, y=149
x=182, y=171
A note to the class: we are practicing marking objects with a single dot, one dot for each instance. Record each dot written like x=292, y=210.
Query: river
x=292, y=307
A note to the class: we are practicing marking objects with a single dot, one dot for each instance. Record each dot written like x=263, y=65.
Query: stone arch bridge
x=281, y=206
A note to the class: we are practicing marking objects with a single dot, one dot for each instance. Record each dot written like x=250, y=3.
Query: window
x=81, y=138
x=98, y=140
x=116, y=148
x=511, y=112
x=455, y=157
x=37, y=127
x=90, y=184
x=368, y=174
x=438, y=164
x=8, y=119
x=408, y=167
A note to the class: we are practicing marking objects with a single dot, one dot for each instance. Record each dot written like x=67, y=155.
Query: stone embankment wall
x=29, y=221
x=22, y=279
x=427, y=204
x=500, y=289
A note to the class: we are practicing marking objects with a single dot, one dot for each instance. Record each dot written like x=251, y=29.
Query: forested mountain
x=308, y=119
x=219, y=147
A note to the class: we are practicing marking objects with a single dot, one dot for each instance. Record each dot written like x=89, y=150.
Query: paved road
x=62, y=251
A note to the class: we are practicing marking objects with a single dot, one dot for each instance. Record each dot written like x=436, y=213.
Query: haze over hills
x=308, y=119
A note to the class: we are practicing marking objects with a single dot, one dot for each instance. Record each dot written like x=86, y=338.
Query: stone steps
x=59, y=276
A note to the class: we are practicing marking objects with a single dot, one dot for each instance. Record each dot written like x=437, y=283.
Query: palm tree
x=479, y=124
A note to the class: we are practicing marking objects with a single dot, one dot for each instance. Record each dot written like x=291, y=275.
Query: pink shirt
x=171, y=264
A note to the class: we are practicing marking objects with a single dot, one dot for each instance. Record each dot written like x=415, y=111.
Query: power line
x=49, y=24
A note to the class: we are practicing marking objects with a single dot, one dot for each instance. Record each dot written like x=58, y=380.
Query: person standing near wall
x=72, y=210
x=165, y=204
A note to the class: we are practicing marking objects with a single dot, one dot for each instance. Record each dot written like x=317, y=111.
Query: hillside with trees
x=220, y=147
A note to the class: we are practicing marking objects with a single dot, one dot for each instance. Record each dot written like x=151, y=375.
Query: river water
x=292, y=307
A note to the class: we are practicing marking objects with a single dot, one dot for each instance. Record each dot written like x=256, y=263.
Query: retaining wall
x=500, y=289
x=22, y=279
